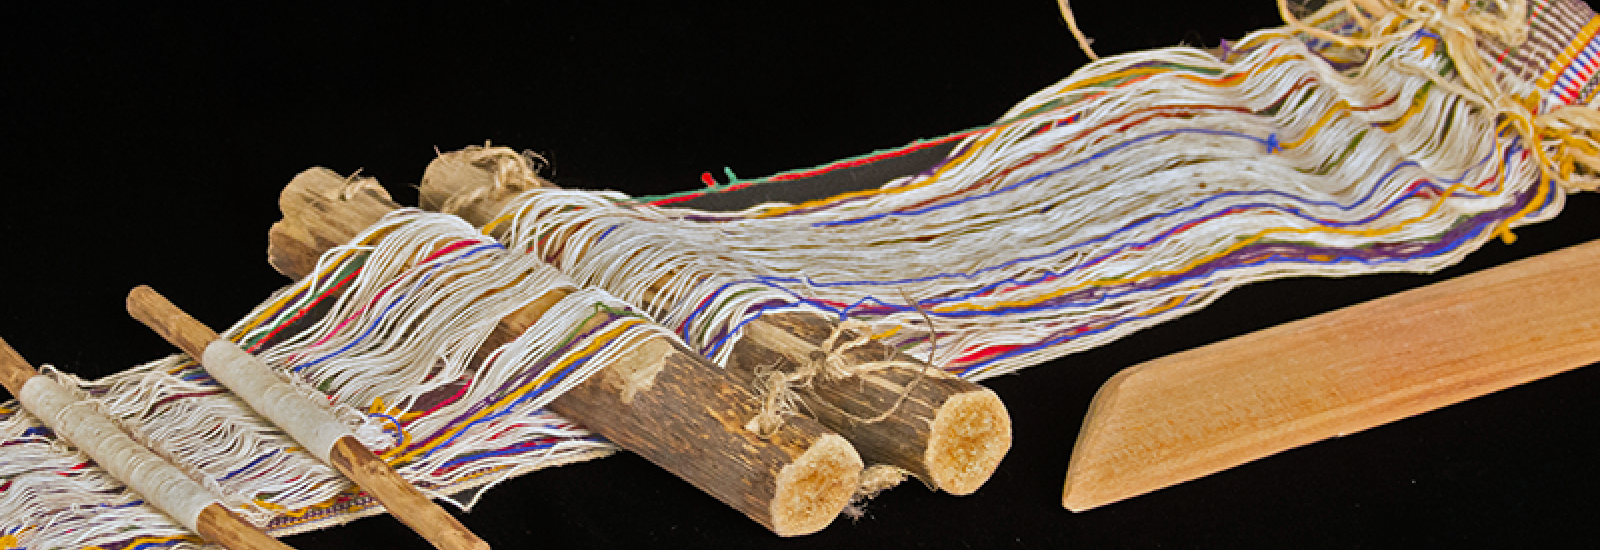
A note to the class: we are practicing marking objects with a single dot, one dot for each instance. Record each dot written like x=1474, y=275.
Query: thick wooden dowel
x=660, y=401
x=214, y=522
x=347, y=456
x=950, y=432
x=1197, y=412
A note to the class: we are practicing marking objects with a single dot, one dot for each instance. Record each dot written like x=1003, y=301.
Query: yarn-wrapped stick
x=156, y=480
x=659, y=400
x=896, y=409
x=302, y=417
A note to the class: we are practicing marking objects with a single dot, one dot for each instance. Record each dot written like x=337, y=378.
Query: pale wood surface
x=1211, y=408
x=215, y=523
x=356, y=462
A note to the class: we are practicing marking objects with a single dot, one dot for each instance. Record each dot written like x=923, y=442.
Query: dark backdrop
x=149, y=145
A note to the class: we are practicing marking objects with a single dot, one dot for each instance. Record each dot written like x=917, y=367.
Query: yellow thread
x=1243, y=242
x=1416, y=107
x=301, y=512
x=992, y=133
x=283, y=302
x=598, y=342
x=405, y=435
x=1175, y=301
x=150, y=540
x=989, y=136
x=1571, y=52
x=1337, y=110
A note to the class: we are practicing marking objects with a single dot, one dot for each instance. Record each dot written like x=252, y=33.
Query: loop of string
x=780, y=391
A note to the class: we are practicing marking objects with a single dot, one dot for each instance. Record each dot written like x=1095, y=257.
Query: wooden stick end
x=1091, y=470
x=14, y=370
x=969, y=436
x=177, y=327
x=814, y=488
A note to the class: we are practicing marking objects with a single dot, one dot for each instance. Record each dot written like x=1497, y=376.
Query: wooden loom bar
x=347, y=455
x=686, y=416
x=950, y=432
x=215, y=523
x=1197, y=412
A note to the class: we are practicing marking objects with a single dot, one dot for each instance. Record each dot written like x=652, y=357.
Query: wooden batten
x=949, y=432
x=661, y=401
x=1214, y=407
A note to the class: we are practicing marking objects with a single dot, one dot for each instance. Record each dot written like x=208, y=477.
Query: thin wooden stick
x=214, y=522
x=347, y=455
x=1193, y=413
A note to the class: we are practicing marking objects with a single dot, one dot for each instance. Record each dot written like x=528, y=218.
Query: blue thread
x=252, y=464
x=432, y=268
x=1448, y=247
x=772, y=282
x=1052, y=172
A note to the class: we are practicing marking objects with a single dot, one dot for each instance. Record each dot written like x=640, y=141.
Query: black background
x=148, y=147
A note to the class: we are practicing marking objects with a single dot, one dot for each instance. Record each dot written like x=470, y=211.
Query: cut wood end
x=814, y=488
x=1078, y=491
x=969, y=436
x=166, y=319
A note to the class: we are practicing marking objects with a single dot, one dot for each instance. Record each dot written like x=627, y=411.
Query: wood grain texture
x=309, y=200
x=661, y=401
x=1211, y=408
x=689, y=419
x=969, y=441
x=401, y=498
x=356, y=462
x=157, y=312
x=219, y=525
